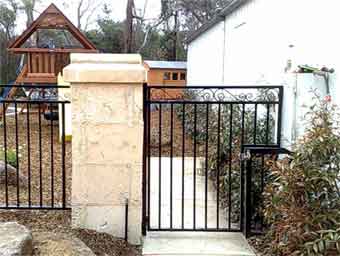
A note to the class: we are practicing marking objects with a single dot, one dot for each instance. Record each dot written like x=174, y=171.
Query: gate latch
x=245, y=155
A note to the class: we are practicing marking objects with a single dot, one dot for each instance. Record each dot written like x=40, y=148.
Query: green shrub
x=302, y=203
x=11, y=157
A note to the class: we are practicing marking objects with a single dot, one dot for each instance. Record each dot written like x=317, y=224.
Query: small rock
x=15, y=240
x=11, y=175
x=56, y=244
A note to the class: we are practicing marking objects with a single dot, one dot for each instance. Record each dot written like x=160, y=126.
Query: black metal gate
x=194, y=142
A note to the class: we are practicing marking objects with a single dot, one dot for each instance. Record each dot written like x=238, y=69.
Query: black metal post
x=145, y=88
x=248, y=196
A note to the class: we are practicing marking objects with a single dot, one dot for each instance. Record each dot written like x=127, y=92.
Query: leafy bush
x=11, y=157
x=303, y=202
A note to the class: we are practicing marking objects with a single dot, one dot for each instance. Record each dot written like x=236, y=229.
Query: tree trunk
x=129, y=26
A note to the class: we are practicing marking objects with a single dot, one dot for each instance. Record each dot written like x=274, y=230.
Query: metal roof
x=226, y=11
x=166, y=64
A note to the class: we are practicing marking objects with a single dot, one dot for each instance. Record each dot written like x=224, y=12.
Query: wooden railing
x=45, y=66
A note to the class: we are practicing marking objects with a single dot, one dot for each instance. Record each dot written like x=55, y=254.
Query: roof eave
x=226, y=11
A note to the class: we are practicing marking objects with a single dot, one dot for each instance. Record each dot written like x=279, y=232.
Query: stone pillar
x=107, y=143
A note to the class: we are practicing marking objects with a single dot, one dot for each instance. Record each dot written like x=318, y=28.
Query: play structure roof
x=52, y=18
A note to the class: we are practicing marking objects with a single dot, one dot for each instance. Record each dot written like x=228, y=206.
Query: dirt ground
x=59, y=222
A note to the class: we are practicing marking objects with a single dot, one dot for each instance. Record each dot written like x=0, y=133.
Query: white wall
x=261, y=37
x=205, y=58
x=298, y=98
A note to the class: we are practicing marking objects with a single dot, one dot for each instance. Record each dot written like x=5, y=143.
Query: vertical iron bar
x=230, y=163
x=183, y=162
x=145, y=88
x=242, y=206
x=194, y=181
x=5, y=153
x=218, y=167
x=126, y=229
x=267, y=124
x=171, y=162
x=160, y=167
x=262, y=188
x=40, y=158
x=279, y=126
x=29, y=154
x=63, y=142
x=148, y=153
x=206, y=167
x=52, y=158
x=248, y=196
x=17, y=151
x=255, y=123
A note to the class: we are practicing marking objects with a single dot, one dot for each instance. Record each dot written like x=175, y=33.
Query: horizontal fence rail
x=35, y=159
x=194, y=143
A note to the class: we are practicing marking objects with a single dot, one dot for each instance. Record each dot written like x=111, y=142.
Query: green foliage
x=303, y=201
x=11, y=157
x=109, y=37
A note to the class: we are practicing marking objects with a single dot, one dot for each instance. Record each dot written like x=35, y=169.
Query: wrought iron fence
x=258, y=175
x=194, y=143
x=35, y=158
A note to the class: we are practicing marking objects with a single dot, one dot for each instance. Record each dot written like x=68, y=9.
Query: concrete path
x=188, y=195
x=196, y=244
x=188, y=243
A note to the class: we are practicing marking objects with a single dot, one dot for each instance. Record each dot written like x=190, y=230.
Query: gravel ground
x=59, y=222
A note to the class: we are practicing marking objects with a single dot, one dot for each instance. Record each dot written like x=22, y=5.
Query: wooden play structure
x=45, y=58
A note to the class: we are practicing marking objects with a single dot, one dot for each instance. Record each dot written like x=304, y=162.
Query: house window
x=183, y=76
x=166, y=76
x=175, y=76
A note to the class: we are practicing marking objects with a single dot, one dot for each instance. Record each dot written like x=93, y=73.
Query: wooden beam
x=38, y=80
x=56, y=50
x=41, y=75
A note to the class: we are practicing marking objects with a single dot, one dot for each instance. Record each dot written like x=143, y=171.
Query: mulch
x=30, y=165
x=160, y=136
x=260, y=245
x=60, y=222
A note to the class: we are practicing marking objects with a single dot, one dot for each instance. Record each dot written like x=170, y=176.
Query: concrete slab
x=196, y=244
x=176, y=189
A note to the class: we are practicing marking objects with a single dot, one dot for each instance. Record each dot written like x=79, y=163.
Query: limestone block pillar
x=107, y=142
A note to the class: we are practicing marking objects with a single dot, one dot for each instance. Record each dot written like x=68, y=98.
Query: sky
x=117, y=7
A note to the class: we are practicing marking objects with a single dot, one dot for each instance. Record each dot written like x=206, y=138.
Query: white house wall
x=264, y=34
x=205, y=58
x=261, y=38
